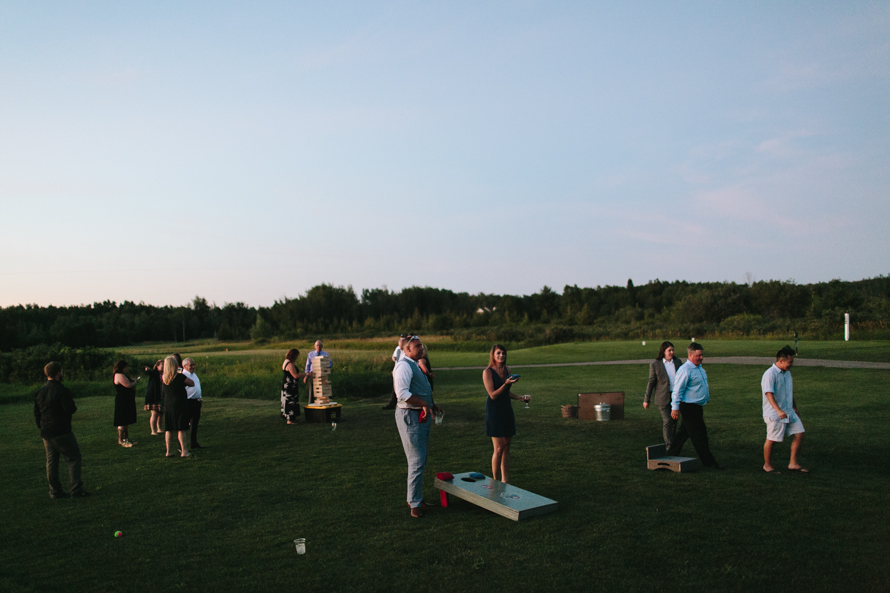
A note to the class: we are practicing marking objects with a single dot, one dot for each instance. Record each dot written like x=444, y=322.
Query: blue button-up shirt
x=690, y=386
x=778, y=382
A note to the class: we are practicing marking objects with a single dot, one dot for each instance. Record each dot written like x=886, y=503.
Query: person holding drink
x=500, y=424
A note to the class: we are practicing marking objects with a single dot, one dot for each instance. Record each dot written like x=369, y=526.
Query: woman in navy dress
x=176, y=416
x=499, y=422
x=124, y=403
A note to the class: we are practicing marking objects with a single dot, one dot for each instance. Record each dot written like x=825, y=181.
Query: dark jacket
x=659, y=383
x=53, y=408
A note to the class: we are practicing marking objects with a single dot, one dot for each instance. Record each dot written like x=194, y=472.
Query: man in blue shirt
x=780, y=410
x=690, y=394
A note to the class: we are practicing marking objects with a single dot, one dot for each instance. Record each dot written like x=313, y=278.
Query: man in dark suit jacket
x=661, y=382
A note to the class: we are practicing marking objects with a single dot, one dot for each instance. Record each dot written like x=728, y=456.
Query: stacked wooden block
x=321, y=386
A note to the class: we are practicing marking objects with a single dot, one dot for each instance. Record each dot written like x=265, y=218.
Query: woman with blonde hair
x=176, y=417
x=500, y=424
x=290, y=395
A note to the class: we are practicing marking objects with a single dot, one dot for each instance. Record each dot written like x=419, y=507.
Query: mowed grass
x=226, y=519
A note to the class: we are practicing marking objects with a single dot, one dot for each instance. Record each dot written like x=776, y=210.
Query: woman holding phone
x=499, y=422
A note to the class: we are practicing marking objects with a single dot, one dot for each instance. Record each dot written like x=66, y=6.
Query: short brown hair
x=52, y=369
x=785, y=353
x=694, y=346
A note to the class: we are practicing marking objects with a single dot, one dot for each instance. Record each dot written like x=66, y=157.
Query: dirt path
x=753, y=360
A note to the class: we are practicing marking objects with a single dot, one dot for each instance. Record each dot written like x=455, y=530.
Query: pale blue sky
x=249, y=151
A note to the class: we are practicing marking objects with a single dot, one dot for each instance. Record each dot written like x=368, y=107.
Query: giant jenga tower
x=321, y=387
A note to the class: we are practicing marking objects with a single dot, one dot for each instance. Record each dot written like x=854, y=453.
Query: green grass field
x=226, y=519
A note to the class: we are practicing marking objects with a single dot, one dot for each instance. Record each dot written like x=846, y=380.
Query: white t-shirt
x=193, y=392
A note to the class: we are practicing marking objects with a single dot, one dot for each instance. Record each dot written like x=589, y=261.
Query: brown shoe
x=416, y=512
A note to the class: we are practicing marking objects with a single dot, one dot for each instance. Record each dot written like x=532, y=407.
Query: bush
x=25, y=366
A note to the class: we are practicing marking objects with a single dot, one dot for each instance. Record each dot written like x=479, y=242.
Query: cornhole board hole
x=586, y=401
x=657, y=458
x=504, y=499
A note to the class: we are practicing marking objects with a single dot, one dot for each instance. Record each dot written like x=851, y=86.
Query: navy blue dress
x=499, y=421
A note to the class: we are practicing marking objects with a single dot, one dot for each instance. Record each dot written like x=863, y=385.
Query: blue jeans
x=415, y=440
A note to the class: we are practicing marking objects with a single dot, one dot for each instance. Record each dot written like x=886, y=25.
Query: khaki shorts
x=776, y=431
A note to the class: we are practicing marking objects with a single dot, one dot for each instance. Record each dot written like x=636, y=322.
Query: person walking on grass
x=193, y=400
x=53, y=408
x=662, y=372
x=780, y=411
x=688, y=398
x=500, y=423
x=413, y=419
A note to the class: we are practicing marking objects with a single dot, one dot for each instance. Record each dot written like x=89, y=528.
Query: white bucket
x=603, y=412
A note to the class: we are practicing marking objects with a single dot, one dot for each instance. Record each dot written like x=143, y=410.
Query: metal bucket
x=603, y=412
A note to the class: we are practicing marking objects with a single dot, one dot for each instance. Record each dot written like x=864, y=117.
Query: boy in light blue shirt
x=780, y=411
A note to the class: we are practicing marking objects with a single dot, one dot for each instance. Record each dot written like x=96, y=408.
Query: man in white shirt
x=194, y=401
x=780, y=411
x=396, y=355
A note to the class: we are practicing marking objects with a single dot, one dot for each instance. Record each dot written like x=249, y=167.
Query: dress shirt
x=671, y=370
x=690, y=386
x=312, y=355
x=778, y=382
x=408, y=380
x=192, y=392
x=397, y=354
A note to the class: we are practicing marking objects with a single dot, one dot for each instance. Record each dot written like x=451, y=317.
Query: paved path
x=755, y=360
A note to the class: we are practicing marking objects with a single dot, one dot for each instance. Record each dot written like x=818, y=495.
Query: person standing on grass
x=662, y=371
x=53, y=407
x=176, y=419
x=317, y=352
x=780, y=411
x=193, y=400
x=124, y=403
x=413, y=419
x=396, y=355
x=689, y=396
x=154, y=397
x=290, y=395
x=500, y=424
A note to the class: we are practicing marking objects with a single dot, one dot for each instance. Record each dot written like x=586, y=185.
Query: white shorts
x=776, y=431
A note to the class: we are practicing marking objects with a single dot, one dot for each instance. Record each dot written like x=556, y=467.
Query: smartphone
x=514, y=376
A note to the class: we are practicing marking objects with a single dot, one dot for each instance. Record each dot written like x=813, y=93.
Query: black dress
x=290, y=397
x=154, y=397
x=124, y=405
x=176, y=416
x=499, y=421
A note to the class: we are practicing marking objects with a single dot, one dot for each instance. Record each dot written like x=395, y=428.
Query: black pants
x=693, y=428
x=65, y=445
x=194, y=412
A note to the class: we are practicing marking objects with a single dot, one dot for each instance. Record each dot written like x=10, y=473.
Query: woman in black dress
x=176, y=417
x=124, y=403
x=499, y=422
x=154, y=397
x=290, y=397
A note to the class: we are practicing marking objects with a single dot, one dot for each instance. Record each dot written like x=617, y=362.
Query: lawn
x=226, y=519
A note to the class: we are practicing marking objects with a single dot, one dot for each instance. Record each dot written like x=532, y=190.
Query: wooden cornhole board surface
x=586, y=401
x=657, y=458
x=504, y=499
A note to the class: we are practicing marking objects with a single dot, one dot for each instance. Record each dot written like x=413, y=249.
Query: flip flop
x=775, y=471
x=800, y=470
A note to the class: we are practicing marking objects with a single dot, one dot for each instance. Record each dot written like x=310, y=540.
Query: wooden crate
x=586, y=401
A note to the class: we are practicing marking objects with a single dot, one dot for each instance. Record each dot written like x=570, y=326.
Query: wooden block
x=657, y=458
x=586, y=401
x=504, y=499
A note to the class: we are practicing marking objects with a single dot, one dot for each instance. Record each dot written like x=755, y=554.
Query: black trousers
x=693, y=428
x=194, y=412
x=65, y=445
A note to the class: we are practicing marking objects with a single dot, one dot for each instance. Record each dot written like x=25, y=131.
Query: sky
x=247, y=151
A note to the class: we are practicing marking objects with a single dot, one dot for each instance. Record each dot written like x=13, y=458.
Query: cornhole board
x=504, y=499
x=657, y=458
x=586, y=401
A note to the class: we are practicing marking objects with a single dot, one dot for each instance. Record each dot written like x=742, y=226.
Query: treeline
x=678, y=308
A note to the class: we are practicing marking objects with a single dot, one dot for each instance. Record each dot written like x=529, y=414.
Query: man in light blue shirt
x=780, y=410
x=317, y=352
x=689, y=396
x=413, y=418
